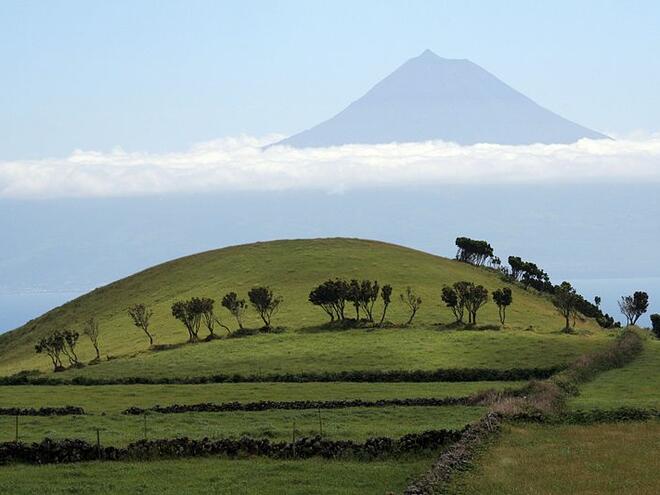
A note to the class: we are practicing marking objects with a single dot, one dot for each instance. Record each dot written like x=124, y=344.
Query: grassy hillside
x=292, y=268
x=635, y=385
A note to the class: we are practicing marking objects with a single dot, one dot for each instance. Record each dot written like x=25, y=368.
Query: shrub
x=237, y=307
x=655, y=324
x=634, y=306
x=503, y=298
x=413, y=301
x=265, y=303
x=141, y=316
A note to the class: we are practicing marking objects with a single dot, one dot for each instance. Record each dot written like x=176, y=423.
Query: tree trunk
x=382, y=318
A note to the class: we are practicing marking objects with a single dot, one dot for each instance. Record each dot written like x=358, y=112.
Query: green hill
x=292, y=268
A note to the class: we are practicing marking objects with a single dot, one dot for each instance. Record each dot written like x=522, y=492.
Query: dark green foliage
x=331, y=297
x=354, y=296
x=529, y=274
x=465, y=297
x=369, y=292
x=503, y=298
x=655, y=324
x=298, y=405
x=209, y=318
x=475, y=297
x=190, y=314
x=69, y=348
x=634, y=306
x=393, y=376
x=565, y=300
x=58, y=344
x=606, y=321
x=237, y=307
x=363, y=294
x=141, y=316
x=473, y=251
x=265, y=303
x=51, y=345
x=42, y=411
x=450, y=298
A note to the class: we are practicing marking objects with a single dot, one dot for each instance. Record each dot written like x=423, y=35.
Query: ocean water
x=20, y=307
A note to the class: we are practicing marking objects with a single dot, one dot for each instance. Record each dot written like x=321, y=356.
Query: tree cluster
x=58, y=345
x=465, y=298
x=332, y=296
x=473, y=251
x=529, y=274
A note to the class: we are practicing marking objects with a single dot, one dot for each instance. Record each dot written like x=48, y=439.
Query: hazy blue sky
x=158, y=75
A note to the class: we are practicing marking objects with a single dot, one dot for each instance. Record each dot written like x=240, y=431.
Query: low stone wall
x=438, y=375
x=300, y=404
x=66, y=451
x=42, y=411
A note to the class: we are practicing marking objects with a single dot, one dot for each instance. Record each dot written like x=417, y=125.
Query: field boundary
x=72, y=450
x=304, y=404
x=544, y=401
x=392, y=376
x=589, y=416
x=42, y=411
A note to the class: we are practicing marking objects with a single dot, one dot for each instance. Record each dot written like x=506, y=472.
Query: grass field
x=351, y=423
x=116, y=398
x=292, y=269
x=531, y=339
x=383, y=349
x=602, y=459
x=213, y=476
x=635, y=385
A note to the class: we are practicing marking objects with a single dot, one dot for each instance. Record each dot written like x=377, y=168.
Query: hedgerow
x=299, y=405
x=65, y=451
x=439, y=375
x=42, y=411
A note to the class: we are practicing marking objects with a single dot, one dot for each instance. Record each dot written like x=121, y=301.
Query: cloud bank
x=242, y=164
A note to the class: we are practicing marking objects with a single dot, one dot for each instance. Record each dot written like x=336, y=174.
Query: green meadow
x=213, y=476
x=604, y=459
x=525, y=459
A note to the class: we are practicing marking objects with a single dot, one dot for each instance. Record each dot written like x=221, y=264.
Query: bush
x=439, y=375
x=655, y=324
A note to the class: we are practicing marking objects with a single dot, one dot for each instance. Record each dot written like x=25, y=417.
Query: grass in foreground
x=116, y=398
x=292, y=269
x=351, y=423
x=635, y=385
x=213, y=476
x=601, y=459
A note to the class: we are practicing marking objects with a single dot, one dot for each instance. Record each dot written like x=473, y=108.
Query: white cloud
x=242, y=164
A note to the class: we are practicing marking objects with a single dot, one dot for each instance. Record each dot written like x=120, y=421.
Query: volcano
x=434, y=98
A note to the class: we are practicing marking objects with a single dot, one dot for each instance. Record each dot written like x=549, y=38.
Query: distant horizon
x=158, y=77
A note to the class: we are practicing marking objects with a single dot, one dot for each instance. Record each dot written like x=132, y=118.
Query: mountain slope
x=433, y=98
x=292, y=268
